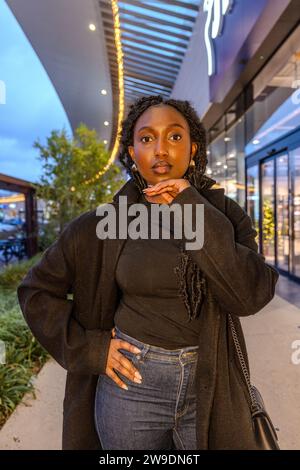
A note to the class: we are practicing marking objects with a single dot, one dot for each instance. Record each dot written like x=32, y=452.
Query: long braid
x=192, y=283
x=182, y=272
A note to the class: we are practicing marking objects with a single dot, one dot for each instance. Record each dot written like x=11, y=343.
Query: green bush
x=13, y=274
x=24, y=355
x=8, y=301
x=14, y=383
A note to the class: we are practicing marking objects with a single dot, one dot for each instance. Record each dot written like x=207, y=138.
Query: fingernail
x=138, y=376
x=136, y=350
x=125, y=387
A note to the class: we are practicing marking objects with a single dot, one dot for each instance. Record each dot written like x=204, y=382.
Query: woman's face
x=162, y=147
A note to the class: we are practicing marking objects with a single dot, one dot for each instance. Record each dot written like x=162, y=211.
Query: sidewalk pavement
x=269, y=336
x=36, y=424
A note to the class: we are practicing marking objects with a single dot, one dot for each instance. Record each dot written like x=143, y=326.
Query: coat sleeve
x=238, y=276
x=49, y=313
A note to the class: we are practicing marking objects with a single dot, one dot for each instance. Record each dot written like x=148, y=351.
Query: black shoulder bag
x=264, y=432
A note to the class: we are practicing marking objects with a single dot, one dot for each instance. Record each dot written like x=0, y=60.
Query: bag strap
x=254, y=404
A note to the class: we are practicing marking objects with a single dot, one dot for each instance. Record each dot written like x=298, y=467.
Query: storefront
x=249, y=101
x=18, y=219
x=257, y=159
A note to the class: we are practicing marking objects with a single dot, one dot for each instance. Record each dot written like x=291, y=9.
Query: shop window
x=253, y=197
x=268, y=211
x=276, y=94
x=226, y=161
x=295, y=212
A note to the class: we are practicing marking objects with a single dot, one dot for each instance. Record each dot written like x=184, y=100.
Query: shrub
x=24, y=358
x=12, y=274
x=24, y=355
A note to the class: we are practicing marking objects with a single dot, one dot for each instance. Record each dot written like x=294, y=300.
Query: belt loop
x=141, y=356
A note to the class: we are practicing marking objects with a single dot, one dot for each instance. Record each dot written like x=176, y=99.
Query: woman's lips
x=161, y=169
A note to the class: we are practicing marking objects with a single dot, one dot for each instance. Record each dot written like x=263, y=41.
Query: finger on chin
x=167, y=197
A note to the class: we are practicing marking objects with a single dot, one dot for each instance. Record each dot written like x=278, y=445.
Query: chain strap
x=254, y=404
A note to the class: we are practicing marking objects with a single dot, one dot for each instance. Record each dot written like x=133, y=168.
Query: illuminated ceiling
x=154, y=37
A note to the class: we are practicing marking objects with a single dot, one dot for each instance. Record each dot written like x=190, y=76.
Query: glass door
x=253, y=197
x=268, y=210
x=277, y=214
x=295, y=212
x=275, y=211
x=282, y=212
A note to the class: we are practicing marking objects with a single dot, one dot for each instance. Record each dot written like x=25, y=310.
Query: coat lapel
x=216, y=197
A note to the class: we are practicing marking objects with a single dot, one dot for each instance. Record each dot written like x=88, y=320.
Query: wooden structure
x=12, y=184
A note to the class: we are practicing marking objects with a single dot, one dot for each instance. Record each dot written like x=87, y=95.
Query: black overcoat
x=77, y=332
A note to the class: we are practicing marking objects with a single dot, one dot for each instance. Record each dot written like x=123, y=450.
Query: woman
x=146, y=339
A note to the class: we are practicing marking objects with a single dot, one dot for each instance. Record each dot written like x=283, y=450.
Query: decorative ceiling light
x=105, y=142
x=103, y=92
x=118, y=43
x=106, y=123
x=92, y=27
x=227, y=139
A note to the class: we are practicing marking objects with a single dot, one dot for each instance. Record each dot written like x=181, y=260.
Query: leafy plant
x=268, y=221
x=12, y=274
x=72, y=180
x=24, y=356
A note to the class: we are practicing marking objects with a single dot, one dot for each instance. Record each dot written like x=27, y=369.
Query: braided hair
x=192, y=283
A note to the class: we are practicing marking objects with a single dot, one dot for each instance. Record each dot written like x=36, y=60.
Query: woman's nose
x=161, y=147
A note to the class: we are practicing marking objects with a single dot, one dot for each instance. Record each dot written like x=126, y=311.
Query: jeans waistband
x=155, y=349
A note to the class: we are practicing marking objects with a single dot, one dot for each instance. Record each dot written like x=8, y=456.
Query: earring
x=192, y=163
x=138, y=179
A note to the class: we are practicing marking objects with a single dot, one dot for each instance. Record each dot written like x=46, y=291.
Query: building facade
x=242, y=74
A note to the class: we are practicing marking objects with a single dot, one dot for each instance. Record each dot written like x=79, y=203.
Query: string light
x=118, y=43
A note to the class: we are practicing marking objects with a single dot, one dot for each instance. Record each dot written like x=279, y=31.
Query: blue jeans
x=159, y=413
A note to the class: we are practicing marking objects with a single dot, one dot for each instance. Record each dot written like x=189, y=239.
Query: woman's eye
x=149, y=137
x=145, y=137
x=176, y=135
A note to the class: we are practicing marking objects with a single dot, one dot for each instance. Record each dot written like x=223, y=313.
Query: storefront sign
x=216, y=11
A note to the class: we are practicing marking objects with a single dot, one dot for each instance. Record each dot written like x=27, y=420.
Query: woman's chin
x=158, y=179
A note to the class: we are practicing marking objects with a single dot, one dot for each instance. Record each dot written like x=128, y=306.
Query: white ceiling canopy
x=155, y=35
x=80, y=63
x=74, y=57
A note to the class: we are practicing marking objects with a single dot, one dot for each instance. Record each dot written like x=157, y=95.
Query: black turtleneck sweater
x=151, y=309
